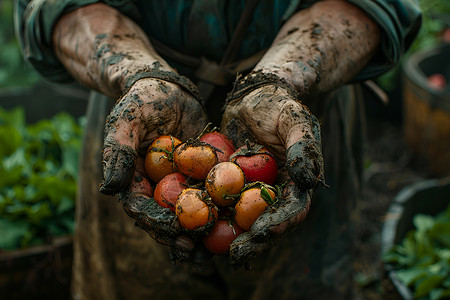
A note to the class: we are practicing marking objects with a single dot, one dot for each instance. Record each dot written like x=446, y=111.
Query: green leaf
x=427, y=285
x=12, y=233
x=66, y=204
x=266, y=195
x=10, y=139
x=441, y=232
x=13, y=118
x=446, y=283
x=70, y=158
x=408, y=276
x=436, y=294
x=423, y=222
x=38, y=177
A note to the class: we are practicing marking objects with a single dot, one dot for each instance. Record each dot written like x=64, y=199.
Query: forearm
x=322, y=47
x=101, y=48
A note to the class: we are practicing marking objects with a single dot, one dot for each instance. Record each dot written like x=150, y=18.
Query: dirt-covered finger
x=305, y=163
x=119, y=163
x=283, y=217
x=301, y=132
x=245, y=247
x=160, y=223
x=287, y=214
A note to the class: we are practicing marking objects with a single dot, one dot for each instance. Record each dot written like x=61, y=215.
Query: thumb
x=304, y=158
x=119, y=156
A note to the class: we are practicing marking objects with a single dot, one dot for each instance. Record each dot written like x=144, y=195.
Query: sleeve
x=34, y=20
x=399, y=21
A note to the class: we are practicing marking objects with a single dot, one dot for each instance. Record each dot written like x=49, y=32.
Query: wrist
x=301, y=76
x=120, y=60
x=257, y=79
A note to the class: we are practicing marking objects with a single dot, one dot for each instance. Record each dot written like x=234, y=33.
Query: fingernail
x=305, y=163
x=119, y=163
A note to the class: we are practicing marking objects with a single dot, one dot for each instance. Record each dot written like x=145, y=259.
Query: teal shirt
x=176, y=23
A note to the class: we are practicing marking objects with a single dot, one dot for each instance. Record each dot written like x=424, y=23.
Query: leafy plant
x=38, y=178
x=422, y=260
x=14, y=71
x=435, y=17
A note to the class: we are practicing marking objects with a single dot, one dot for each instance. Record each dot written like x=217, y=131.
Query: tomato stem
x=230, y=223
x=204, y=130
x=231, y=197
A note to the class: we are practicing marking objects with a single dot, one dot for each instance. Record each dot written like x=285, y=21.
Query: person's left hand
x=270, y=115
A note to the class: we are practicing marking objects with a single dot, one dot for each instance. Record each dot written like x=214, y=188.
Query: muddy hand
x=160, y=223
x=286, y=214
x=151, y=108
x=271, y=115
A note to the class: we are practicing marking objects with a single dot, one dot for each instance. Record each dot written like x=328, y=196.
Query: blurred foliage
x=422, y=260
x=435, y=18
x=14, y=71
x=38, y=178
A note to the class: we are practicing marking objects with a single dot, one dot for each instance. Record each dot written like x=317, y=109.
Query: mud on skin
x=151, y=108
x=119, y=162
x=159, y=222
x=277, y=221
x=273, y=115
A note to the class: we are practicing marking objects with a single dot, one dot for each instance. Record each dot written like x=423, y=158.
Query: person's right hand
x=150, y=108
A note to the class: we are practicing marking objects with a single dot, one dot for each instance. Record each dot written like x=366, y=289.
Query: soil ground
x=391, y=166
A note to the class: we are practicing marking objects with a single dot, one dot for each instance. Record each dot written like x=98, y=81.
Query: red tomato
x=257, y=163
x=218, y=241
x=221, y=142
x=168, y=189
x=141, y=185
x=437, y=81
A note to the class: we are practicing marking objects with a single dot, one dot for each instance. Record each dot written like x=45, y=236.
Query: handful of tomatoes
x=216, y=191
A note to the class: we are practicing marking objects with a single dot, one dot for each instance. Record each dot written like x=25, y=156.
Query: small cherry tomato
x=168, y=189
x=141, y=185
x=195, y=159
x=257, y=163
x=437, y=81
x=159, y=157
x=223, y=180
x=224, y=232
x=252, y=204
x=221, y=142
x=193, y=211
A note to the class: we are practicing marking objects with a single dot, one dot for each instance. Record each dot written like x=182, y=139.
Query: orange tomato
x=195, y=159
x=159, y=157
x=193, y=211
x=250, y=206
x=224, y=179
